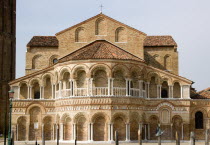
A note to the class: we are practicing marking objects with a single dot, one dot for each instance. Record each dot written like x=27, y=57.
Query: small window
x=199, y=120
x=164, y=93
x=37, y=95
x=55, y=60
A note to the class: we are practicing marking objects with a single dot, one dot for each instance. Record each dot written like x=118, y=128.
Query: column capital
x=60, y=82
x=141, y=81
x=147, y=83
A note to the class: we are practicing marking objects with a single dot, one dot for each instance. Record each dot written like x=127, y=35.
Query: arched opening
x=199, y=120
x=36, y=91
x=164, y=90
x=82, y=129
x=80, y=35
x=36, y=62
x=99, y=129
x=153, y=88
x=134, y=127
x=119, y=83
x=23, y=91
x=153, y=127
x=21, y=126
x=67, y=128
x=81, y=83
x=100, y=82
x=65, y=87
x=35, y=116
x=101, y=27
x=120, y=35
x=47, y=88
x=48, y=128
x=119, y=126
x=176, y=90
x=177, y=126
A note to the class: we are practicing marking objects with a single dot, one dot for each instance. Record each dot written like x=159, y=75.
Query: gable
x=101, y=27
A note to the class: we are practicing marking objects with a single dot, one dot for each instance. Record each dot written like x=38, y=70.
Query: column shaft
x=127, y=132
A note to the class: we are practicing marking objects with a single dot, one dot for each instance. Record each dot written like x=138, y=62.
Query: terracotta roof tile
x=52, y=41
x=100, y=49
x=43, y=41
x=204, y=94
x=159, y=41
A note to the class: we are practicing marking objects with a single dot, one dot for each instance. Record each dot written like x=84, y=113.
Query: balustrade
x=119, y=91
x=100, y=91
x=134, y=92
x=80, y=92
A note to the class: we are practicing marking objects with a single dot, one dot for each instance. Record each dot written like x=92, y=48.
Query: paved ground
x=100, y=143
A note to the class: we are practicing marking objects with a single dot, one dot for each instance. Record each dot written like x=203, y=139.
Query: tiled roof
x=159, y=41
x=204, y=94
x=43, y=41
x=100, y=49
x=52, y=41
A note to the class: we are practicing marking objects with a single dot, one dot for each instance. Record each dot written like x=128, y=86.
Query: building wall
x=131, y=40
x=38, y=58
x=7, y=53
x=165, y=58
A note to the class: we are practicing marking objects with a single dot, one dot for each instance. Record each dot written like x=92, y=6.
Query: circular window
x=55, y=60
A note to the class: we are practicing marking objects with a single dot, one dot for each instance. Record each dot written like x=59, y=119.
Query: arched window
x=164, y=93
x=37, y=95
x=164, y=90
x=53, y=59
x=120, y=35
x=167, y=62
x=101, y=27
x=176, y=90
x=199, y=120
x=80, y=35
x=36, y=62
x=165, y=115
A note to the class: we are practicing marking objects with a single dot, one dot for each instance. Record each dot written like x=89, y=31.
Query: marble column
x=18, y=96
x=126, y=81
x=112, y=87
x=181, y=91
x=111, y=132
x=128, y=132
x=109, y=86
x=61, y=131
x=75, y=131
x=30, y=97
x=91, y=131
x=40, y=92
x=60, y=87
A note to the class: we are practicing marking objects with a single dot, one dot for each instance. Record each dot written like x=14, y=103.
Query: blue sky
x=188, y=21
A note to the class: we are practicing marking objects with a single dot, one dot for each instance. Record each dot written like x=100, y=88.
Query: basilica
x=101, y=76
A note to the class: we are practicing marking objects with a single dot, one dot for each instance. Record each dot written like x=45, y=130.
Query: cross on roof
x=101, y=6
